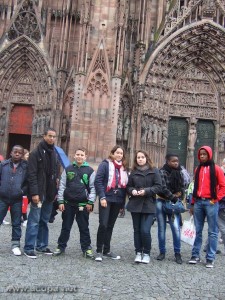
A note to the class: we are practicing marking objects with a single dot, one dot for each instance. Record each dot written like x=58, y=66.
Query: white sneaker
x=98, y=257
x=138, y=258
x=145, y=259
x=5, y=222
x=16, y=251
x=25, y=223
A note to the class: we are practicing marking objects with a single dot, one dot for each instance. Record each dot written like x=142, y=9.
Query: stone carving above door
x=194, y=95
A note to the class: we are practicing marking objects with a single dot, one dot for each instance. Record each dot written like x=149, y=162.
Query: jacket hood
x=207, y=149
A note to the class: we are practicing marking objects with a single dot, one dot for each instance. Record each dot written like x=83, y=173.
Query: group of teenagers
x=148, y=189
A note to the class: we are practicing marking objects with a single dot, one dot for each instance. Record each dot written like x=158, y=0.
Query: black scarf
x=176, y=180
x=213, y=184
x=50, y=165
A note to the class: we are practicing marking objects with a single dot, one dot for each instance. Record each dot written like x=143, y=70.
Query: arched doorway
x=20, y=127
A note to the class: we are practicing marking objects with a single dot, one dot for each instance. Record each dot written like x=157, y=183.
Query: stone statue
x=192, y=136
x=155, y=131
x=34, y=126
x=39, y=125
x=144, y=129
x=3, y=122
x=126, y=128
x=64, y=125
x=164, y=136
x=42, y=124
x=47, y=121
x=150, y=131
x=160, y=133
x=221, y=141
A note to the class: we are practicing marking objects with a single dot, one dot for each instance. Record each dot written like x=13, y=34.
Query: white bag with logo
x=188, y=232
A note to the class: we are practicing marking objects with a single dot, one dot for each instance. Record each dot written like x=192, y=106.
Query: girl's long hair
x=148, y=160
x=113, y=150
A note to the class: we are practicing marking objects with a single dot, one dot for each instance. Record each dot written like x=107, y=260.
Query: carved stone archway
x=199, y=47
x=26, y=78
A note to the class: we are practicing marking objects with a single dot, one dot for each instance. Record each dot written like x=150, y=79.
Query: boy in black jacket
x=13, y=175
x=76, y=197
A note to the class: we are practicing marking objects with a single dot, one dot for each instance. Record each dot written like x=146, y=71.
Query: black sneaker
x=194, y=260
x=209, y=263
x=30, y=254
x=178, y=258
x=46, y=251
x=161, y=256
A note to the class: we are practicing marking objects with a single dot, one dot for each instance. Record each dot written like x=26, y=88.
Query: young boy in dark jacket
x=209, y=189
x=13, y=175
x=76, y=197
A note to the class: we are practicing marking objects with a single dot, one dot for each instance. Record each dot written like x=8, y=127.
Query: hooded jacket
x=204, y=179
x=13, y=182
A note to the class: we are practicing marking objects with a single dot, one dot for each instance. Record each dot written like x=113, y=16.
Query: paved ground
x=73, y=277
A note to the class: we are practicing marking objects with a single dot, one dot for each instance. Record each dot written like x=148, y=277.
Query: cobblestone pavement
x=73, y=277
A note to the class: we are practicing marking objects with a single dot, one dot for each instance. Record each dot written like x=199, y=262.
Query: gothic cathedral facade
x=144, y=74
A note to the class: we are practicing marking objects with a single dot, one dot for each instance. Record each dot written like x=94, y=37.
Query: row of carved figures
x=153, y=131
x=40, y=123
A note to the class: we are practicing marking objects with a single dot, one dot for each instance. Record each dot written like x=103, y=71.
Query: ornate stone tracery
x=26, y=23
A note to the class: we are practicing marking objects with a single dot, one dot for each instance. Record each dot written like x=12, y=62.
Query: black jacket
x=150, y=180
x=13, y=184
x=37, y=176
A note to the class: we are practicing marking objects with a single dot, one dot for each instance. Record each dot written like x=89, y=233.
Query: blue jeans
x=37, y=227
x=202, y=209
x=16, y=213
x=142, y=224
x=174, y=225
x=82, y=218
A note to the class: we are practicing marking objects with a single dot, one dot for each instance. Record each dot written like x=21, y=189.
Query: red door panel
x=20, y=120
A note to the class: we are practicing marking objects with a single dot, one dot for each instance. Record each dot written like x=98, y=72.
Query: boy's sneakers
x=146, y=258
x=209, y=263
x=98, y=257
x=46, y=251
x=30, y=254
x=89, y=254
x=178, y=258
x=111, y=255
x=58, y=252
x=138, y=257
x=16, y=251
x=194, y=260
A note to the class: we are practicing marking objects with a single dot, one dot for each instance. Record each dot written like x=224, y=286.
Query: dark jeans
x=107, y=219
x=82, y=218
x=142, y=231
x=16, y=213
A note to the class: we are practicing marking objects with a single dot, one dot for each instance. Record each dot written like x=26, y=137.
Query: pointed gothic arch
x=20, y=57
x=196, y=48
x=98, y=75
